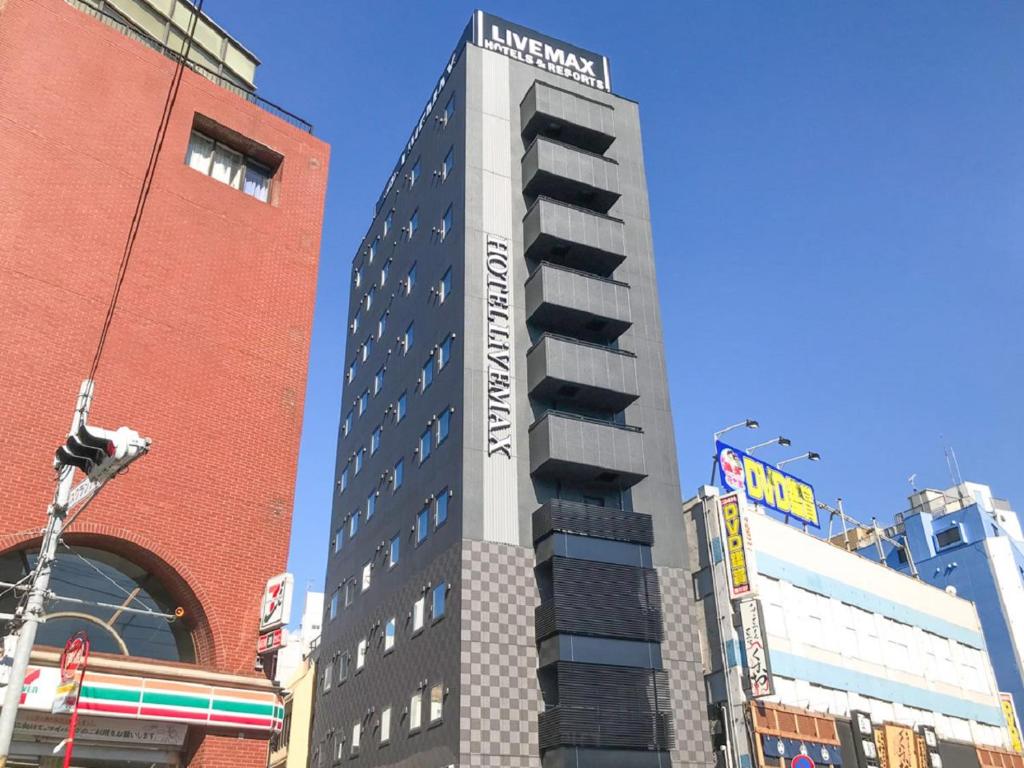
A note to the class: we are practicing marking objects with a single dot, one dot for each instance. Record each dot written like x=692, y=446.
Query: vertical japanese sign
x=900, y=747
x=1012, y=723
x=737, y=549
x=755, y=646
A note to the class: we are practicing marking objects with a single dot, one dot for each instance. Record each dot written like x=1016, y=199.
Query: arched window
x=96, y=576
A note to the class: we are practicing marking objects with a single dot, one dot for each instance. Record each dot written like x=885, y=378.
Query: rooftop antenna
x=913, y=481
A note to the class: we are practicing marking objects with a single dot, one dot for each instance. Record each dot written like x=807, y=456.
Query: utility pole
x=101, y=455
x=34, y=606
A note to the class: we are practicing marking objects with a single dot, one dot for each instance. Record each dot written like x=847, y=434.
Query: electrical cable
x=147, y=183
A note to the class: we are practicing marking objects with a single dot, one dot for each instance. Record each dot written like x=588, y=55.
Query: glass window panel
x=227, y=166
x=257, y=181
x=200, y=153
x=438, y=601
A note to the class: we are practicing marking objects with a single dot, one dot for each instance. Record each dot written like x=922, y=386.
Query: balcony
x=565, y=446
x=573, y=237
x=592, y=520
x=562, y=172
x=562, y=370
x=549, y=111
x=577, y=304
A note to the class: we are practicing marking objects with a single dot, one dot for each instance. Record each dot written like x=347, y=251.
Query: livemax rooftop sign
x=522, y=44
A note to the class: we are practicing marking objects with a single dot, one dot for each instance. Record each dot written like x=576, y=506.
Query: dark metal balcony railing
x=136, y=34
x=580, y=342
x=580, y=272
x=587, y=419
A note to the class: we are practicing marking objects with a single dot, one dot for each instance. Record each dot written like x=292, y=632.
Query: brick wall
x=208, y=350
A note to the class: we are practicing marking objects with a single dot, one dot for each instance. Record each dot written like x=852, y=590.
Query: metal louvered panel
x=592, y=520
x=624, y=622
x=606, y=687
x=611, y=728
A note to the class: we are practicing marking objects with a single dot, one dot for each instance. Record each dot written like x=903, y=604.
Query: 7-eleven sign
x=276, y=609
x=31, y=684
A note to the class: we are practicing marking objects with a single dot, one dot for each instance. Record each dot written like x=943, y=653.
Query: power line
x=147, y=183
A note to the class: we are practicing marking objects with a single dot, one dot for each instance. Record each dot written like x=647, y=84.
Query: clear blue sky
x=836, y=192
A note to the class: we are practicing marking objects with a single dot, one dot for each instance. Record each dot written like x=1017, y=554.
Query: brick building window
x=228, y=166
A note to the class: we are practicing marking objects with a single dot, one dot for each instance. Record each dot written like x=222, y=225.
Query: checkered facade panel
x=499, y=692
x=681, y=655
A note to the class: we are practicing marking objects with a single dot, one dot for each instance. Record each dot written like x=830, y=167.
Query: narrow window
x=343, y=483
x=334, y=605
x=447, y=222
x=408, y=338
x=449, y=110
x=449, y=164
x=357, y=731
x=257, y=181
x=414, y=223
x=371, y=295
x=410, y=280
x=444, y=352
x=353, y=524
x=339, y=539
x=378, y=381
x=350, y=592
x=357, y=320
x=353, y=369
x=425, y=445
x=385, y=725
x=438, y=600
x=444, y=421
x=445, y=289
x=399, y=476
x=327, y=680
x=361, y=654
x=394, y=552
x=364, y=402
x=367, y=575
x=402, y=408
x=384, y=272
x=422, y=525
x=373, y=248
x=344, y=666
x=348, y=424
x=371, y=505
x=436, y=703
x=441, y=508
x=375, y=440
x=414, y=173
x=389, y=222
x=382, y=324
x=428, y=374
x=417, y=614
x=389, y=635
x=360, y=458
x=415, y=701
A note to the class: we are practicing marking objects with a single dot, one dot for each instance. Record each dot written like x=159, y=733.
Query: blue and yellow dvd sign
x=767, y=485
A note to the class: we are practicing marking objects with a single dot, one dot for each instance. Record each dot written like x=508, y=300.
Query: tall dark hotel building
x=506, y=584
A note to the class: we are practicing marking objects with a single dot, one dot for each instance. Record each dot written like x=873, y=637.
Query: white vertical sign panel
x=755, y=646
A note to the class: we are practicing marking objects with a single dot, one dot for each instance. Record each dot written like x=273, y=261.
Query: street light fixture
x=748, y=423
x=810, y=456
x=780, y=440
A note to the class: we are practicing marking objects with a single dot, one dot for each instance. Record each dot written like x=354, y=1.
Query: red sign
x=803, y=761
x=270, y=641
x=76, y=652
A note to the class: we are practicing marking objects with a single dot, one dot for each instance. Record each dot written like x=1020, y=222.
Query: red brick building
x=207, y=353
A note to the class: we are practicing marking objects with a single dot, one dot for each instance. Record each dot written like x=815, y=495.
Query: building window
x=347, y=426
x=375, y=440
x=357, y=732
x=449, y=164
x=436, y=703
x=441, y=508
x=339, y=538
x=399, y=476
x=428, y=374
x=402, y=407
x=948, y=537
x=378, y=381
x=357, y=320
x=444, y=352
x=422, y=525
x=353, y=369
x=361, y=654
x=367, y=574
x=385, y=272
x=445, y=288
x=373, y=248
x=414, y=223
x=417, y=614
x=410, y=280
x=360, y=457
x=407, y=338
x=414, y=173
x=350, y=592
x=326, y=680
x=389, y=634
x=425, y=445
x=385, y=725
x=415, y=701
x=334, y=606
x=444, y=422
x=394, y=552
x=389, y=221
x=367, y=348
x=364, y=401
x=449, y=110
x=343, y=483
x=353, y=524
x=229, y=167
x=371, y=505
x=437, y=601
x=382, y=324
x=447, y=222
x=344, y=667
x=371, y=295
